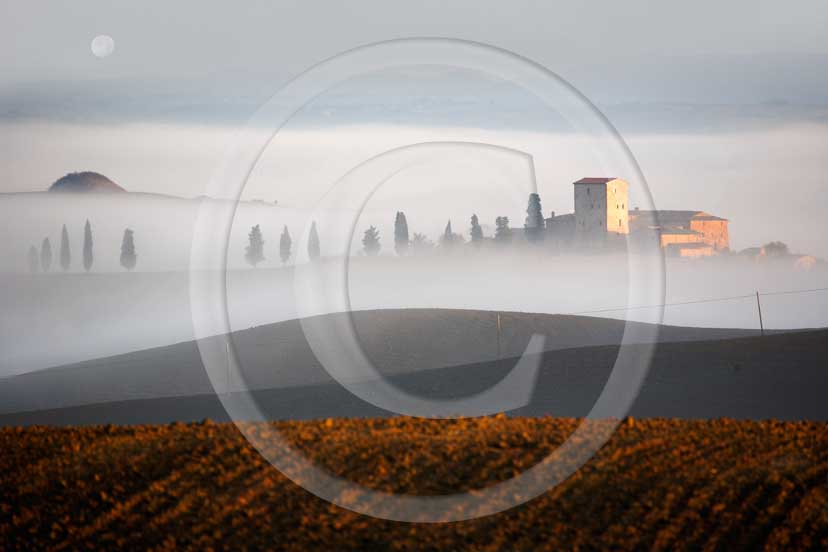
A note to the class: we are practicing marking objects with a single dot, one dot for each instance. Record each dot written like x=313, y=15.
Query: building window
x=619, y=223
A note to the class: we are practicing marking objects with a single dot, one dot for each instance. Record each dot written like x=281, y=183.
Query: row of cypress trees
x=533, y=227
x=418, y=243
x=254, y=253
x=42, y=260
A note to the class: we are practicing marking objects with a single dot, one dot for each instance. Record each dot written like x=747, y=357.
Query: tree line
x=405, y=244
x=254, y=252
x=41, y=260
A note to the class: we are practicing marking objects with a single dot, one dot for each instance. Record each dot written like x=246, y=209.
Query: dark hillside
x=776, y=376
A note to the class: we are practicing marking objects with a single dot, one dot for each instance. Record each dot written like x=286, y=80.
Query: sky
x=49, y=41
x=724, y=106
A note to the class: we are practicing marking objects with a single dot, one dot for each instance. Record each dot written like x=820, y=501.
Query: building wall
x=590, y=212
x=689, y=252
x=618, y=209
x=668, y=238
x=560, y=230
x=714, y=231
x=600, y=209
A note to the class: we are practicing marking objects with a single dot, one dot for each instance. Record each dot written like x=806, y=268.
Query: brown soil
x=657, y=484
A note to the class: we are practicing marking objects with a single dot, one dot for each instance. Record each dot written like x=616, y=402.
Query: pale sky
x=712, y=52
x=725, y=106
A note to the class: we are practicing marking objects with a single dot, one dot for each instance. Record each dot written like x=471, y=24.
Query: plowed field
x=657, y=484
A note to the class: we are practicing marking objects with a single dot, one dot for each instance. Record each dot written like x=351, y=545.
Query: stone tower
x=601, y=209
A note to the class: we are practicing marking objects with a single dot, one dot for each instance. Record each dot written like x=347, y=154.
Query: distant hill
x=86, y=181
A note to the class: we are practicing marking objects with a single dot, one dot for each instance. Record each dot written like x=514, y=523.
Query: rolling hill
x=695, y=373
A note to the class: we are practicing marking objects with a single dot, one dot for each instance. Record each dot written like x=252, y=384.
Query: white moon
x=102, y=46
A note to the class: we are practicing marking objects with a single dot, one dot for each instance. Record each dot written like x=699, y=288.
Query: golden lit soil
x=657, y=484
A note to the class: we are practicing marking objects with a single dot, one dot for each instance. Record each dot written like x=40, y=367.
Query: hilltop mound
x=86, y=181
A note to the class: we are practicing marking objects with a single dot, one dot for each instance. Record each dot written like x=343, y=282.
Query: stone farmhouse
x=603, y=217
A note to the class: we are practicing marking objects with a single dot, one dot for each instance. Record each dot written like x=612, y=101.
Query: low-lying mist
x=56, y=318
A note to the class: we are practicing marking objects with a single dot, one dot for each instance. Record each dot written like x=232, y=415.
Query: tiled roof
x=595, y=180
x=562, y=217
x=705, y=216
x=672, y=216
x=666, y=214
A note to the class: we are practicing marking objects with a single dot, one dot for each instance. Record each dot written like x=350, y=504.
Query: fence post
x=229, y=368
x=498, y=336
x=759, y=308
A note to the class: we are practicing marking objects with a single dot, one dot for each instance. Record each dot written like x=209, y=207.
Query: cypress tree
x=449, y=238
x=65, y=254
x=535, y=222
x=128, y=257
x=87, y=246
x=284, y=245
x=46, y=255
x=400, y=234
x=254, y=253
x=313, y=243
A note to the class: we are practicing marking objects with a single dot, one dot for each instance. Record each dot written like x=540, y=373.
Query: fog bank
x=53, y=319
